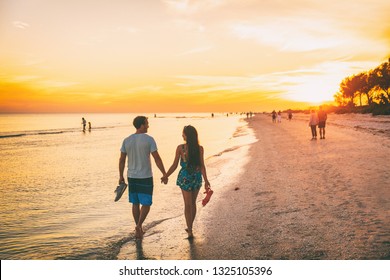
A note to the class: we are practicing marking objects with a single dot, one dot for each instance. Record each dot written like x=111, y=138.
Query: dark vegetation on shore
x=366, y=92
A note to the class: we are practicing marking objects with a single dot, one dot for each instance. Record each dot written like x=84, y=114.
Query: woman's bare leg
x=189, y=209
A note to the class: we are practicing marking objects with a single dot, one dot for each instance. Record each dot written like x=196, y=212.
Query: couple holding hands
x=137, y=148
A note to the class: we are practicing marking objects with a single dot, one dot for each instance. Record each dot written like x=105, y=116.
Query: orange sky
x=182, y=55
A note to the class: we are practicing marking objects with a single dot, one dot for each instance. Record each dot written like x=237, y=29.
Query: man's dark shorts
x=141, y=191
x=321, y=124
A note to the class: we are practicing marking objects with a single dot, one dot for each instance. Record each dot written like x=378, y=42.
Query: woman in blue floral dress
x=190, y=175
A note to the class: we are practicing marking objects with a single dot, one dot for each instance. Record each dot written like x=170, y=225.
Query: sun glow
x=170, y=55
x=312, y=92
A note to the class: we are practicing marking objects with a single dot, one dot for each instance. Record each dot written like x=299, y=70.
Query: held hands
x=164, y=179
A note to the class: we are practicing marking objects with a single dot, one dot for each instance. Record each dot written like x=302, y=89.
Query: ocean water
x=57, y=182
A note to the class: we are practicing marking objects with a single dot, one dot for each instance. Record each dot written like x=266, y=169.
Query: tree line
x=366, y=92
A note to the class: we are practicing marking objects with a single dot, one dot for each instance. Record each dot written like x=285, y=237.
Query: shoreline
x=302, y=199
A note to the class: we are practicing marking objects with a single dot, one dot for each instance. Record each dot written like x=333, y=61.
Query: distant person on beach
x=313, y=122
x=137, y=148
x=190, y=175
x=289, y=115
x=89, y=126
x=273, y=116
x=279, y=116
x=322, y=117
x=84, y=123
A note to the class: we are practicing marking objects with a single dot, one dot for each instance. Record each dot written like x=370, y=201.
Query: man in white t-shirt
x=137, y=148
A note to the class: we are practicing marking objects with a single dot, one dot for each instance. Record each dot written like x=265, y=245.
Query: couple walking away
x=137, y=148
x=320, y=120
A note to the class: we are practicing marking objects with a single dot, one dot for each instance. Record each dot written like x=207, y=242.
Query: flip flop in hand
x=208, y=193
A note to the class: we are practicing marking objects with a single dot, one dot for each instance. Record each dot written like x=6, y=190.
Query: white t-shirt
x=138, y=148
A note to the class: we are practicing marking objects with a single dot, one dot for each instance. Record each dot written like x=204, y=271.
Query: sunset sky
x=183, y=55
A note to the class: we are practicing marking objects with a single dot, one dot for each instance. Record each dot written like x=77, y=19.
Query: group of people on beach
x=278, y=116
x=318, y=118
x=137, y=148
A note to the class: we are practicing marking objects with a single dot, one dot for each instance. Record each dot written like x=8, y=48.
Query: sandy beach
x=295, y=199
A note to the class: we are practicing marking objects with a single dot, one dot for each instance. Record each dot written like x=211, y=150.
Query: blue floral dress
x=189, y=179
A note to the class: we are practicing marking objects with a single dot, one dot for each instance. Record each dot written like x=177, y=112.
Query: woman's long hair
x=193, y=160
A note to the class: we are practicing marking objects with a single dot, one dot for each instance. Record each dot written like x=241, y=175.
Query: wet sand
x=295, y=199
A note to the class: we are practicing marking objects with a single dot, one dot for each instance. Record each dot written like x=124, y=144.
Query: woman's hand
x=207, y=185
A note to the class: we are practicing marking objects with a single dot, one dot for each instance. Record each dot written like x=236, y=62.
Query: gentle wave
x=227, y=151
x=50, y=132
x=44, y=133
x=13, y=135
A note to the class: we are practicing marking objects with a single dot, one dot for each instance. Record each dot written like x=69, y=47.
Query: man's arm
x=159, y=163
x=122, y=162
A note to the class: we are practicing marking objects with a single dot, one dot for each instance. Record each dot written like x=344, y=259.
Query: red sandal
x=208, y=193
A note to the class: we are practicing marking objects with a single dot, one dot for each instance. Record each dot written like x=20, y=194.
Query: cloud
x=192, y=6
x=21, y=24
x=291, y=34
x=195, y=50
x=190, y=25
x=143, y=89
x=24, y=78
x=126, y=29
x=204, y=84
x=56, y=84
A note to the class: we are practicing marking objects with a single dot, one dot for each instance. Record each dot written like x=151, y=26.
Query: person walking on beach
x=190, y=175
x=279, y=116
x=84, y=123
x=322, y=117
x=289, y=115
x=273, y=116
x=313, y=122
x=137, y=148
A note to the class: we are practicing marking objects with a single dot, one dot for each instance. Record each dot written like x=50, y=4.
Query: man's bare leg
x=141, y=218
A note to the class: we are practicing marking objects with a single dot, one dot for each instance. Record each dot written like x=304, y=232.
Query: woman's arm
x=175, y=162
x=203, y=169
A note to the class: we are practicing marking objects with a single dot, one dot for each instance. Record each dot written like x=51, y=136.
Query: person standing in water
x=84, y=123
x=191, y=157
